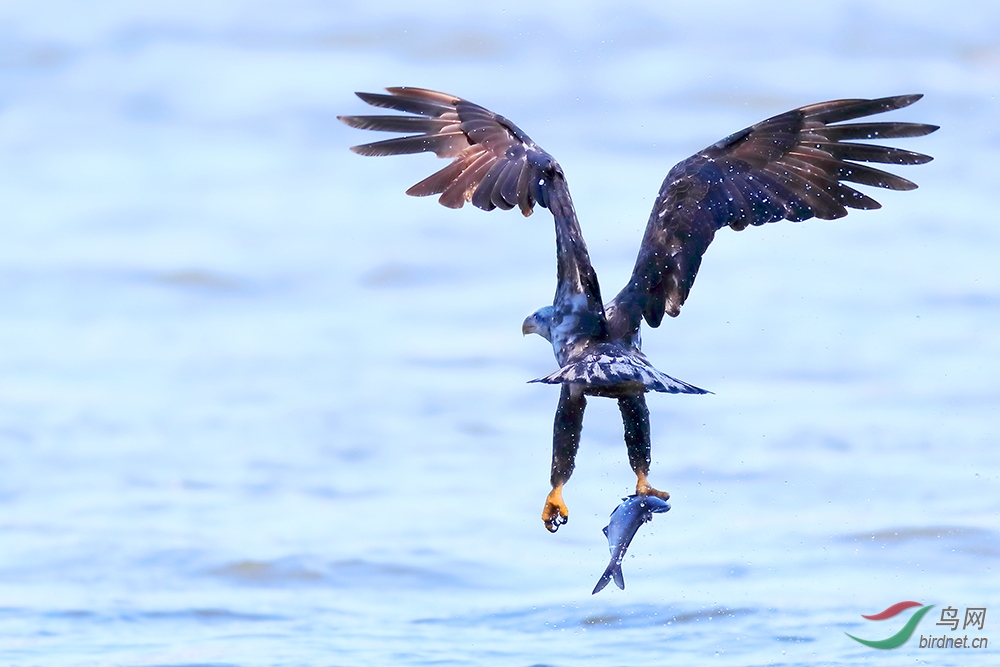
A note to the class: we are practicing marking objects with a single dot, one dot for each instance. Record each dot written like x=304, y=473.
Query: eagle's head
x=539, y=322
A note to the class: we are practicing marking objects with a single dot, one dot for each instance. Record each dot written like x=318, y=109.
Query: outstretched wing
x=495, y=165
x=789, y=167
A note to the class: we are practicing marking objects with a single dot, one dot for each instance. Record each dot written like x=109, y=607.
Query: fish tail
x=602, y=582
x=614, y=571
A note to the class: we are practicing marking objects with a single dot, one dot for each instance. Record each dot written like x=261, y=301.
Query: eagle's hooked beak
x=529, y=326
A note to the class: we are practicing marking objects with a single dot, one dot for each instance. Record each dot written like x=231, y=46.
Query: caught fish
x=625, y=521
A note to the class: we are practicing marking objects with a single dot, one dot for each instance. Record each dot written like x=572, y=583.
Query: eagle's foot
x=642, y=488
x=555, y=513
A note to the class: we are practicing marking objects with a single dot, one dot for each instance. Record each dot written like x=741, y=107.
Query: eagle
x=792, y=166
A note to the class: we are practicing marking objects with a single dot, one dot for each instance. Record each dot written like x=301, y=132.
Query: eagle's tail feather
x=602, y=370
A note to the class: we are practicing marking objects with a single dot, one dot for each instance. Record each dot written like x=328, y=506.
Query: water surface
x=258, y=407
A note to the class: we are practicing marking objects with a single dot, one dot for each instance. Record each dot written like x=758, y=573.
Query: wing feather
x=409, y=100
x=495, y=165
x=437, y=182
x=507, y=184
x=497, y=199
x=789, y=167
x=870, y=153
x=859, y=173
x=875, y=131
x=398, y=123
x=442, y=144
x=461, y=189
x=483, y=196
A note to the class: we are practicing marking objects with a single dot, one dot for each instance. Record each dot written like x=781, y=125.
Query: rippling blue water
x=260, y=408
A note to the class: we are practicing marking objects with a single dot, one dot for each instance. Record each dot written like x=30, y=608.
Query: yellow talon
x=555, y=513
x=643, y=488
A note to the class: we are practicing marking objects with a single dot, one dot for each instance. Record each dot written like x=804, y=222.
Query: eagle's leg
x=635, y=417
x=565, y=442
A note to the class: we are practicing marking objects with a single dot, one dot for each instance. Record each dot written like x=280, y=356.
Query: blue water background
x=258, y=407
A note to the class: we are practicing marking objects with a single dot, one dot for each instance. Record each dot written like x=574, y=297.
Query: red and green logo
x=904, y=634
